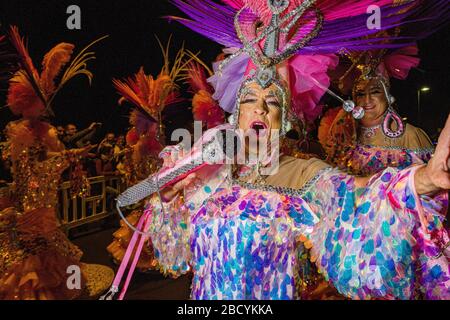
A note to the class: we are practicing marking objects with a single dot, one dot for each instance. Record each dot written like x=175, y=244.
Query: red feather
x=206, y=109
x=19, y=45
x=22, y=98
x=196, y=78
x=149, y=95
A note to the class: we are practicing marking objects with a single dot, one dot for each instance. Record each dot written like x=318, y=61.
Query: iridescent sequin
x=244, y=243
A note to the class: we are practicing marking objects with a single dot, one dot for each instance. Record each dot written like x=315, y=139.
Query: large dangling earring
x=391, y=116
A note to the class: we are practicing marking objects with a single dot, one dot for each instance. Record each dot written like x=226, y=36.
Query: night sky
x=132, y=26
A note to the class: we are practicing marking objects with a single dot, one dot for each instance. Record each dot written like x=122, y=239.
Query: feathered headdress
x=382, y=64
x=31, y=93
x=151, y=96
x=23, y=134
x=294, y=42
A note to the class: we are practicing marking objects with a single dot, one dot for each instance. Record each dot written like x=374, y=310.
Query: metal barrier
x=78, y=211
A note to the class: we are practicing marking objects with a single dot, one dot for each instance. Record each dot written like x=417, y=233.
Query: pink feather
x=305, y=93
x=399, y=63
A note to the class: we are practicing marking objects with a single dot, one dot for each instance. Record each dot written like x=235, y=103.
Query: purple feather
x=216, y=22
x=210, y=19
x=227, y=85
x=348, y=33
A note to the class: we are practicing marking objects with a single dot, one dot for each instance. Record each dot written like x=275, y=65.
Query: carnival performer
x=380, y=138
x=36, y=258
x=146, y=139
x=244, y=229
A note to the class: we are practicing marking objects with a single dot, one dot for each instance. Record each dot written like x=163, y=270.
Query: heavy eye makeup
x=248, y=100
x=250, y=97
x=375, y=91
x=269, y=100
x=273, y=102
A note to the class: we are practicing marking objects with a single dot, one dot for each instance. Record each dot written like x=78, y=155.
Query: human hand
x=169, y=193
x=435, y=176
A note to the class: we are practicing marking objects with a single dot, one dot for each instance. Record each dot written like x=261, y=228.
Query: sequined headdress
x=378, y=64
x=292, y=43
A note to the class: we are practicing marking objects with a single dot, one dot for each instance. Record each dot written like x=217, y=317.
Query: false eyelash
x=275, y=104
x=248, y=101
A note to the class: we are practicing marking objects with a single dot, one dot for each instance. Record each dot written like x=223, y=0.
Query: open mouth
x=259, y=127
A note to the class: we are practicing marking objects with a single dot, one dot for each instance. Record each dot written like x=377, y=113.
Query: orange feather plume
x=31, y=94
x=325, y=125
x=54, y=61
x=151, y=95
x=207, y=110
x=196, y=77
x=25, y=95
x=22, y=98
x=204, y=107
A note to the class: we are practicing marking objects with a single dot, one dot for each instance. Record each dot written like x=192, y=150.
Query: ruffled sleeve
x=169, y=233
x=383, y=241
x=170, y=229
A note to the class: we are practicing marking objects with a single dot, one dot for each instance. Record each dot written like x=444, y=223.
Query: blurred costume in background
x=248, y=232
x=204, y=107
x=387, y=141
x=36, y=258
x=145, y=140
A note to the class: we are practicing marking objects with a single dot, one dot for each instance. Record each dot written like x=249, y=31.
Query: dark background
x=132, y=26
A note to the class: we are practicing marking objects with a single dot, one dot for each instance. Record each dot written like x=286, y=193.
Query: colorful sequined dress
x=374, y=151
x=36, y=258
x=245, y=241
x=366, y=151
